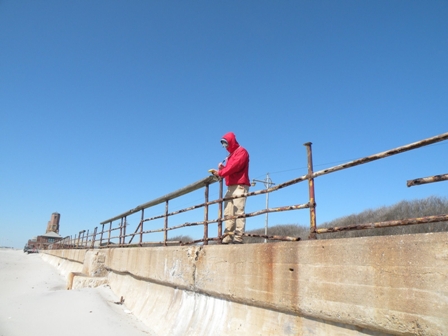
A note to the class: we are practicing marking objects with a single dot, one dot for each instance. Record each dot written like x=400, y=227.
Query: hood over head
x=231, y=140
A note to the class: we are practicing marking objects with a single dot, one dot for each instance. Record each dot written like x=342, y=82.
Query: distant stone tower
x=53, y=224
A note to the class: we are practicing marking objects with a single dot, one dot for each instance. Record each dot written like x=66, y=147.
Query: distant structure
x=51, y=235
x=53, y=224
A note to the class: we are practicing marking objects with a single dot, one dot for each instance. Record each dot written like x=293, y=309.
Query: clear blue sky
x=105, y=105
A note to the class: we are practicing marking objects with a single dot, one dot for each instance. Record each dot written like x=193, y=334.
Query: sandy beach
x=34, y=301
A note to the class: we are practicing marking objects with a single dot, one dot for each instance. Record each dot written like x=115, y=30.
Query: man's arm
x=238, y=162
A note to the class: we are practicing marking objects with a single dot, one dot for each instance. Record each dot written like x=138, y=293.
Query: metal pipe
x=110, y=231
x=165, y=234
x=125, y=223
x=206, y=215
x=424, y=180
x=267, y=184
x=274, y=237
x=192, y=187
x=121, y=231
x=385, y=154
x=200, y=241
x=409, y=221
x=220, y=209
x=141, y=226
x=246, y=215
x=101, y=236
x=180, y=211
x=357, y=162
x=92, y=245
x=312, y=198
x=86, y=237
x=266, y=219
x=82, y=239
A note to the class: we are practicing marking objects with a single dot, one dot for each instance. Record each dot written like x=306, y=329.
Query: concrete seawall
x=394, y=285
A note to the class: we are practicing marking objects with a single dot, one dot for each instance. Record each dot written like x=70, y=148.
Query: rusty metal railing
x=109, y=233
x=424, y=180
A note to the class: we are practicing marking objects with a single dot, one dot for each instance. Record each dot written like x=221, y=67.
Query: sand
x=34, y=301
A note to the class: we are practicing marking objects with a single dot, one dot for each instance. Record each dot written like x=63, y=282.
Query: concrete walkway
x=34, y=301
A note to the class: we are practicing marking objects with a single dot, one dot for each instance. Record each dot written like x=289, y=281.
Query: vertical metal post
x=141, y=227
x=110, y=230
x=125, y=223
x=267, y=184
x=165, y=231
x=220, y=209
x=92, y=245
x=312, y=199
x=206, y=215
x=87, y=238
x=121, y=232
x=101, y=237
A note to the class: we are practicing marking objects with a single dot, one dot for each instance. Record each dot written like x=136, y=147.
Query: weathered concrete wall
x=395, y=285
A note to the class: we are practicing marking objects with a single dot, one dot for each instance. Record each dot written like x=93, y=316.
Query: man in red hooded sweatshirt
x=236, y=175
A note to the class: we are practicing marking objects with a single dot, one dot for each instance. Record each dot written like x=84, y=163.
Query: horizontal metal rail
x=424, y=180
x=246, y=215
x=274, y=237
x=188, y=189
x=358, y=162
x=409, y=221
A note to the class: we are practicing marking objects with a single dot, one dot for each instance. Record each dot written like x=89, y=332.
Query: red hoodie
x=236, y=170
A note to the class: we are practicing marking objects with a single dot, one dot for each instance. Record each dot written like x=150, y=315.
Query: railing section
x=115, y=228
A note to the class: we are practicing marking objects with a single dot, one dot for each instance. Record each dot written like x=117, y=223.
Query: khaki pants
x=235, y=227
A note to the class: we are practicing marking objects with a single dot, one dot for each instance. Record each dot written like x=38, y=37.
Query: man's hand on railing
x=213, y=172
